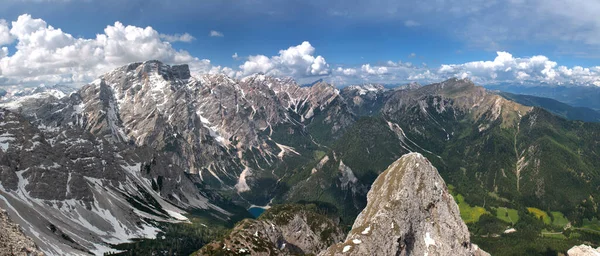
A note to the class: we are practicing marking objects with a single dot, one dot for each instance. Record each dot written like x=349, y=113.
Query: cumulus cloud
x=185, y=37
x=296, y=61
x=504, y=68
x=374, y=70
x=235, y=56
x=214, y=33
x=5, y=36
x=45, y=54
x=389, y=72
x=346, y=71
x=3, y=53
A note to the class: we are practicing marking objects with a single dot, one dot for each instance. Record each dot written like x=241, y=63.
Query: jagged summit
x=452, y=86
x=409, y=212
x=365, y=88
x=409, y=86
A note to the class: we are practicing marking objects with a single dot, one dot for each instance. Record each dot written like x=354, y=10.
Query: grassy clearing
x=593, y=224
x=515, y=245
x=497, y=197
x=559, y=220
x=542, y=215
x=551, y=234
x=469, y=214
x=507, y=214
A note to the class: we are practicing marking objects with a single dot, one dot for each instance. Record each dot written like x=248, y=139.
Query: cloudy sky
x=553, y=42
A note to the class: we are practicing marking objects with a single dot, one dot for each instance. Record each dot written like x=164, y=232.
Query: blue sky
x=400, y=41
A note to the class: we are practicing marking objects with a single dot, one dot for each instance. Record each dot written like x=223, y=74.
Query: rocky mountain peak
x=266, y=80
x=364, y=89
x=453, y=85
x=409, y=86
x=409, y=212
x=148, y=73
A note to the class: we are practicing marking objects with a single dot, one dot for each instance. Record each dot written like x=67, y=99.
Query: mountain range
x=147, y=147
x=577, y=96
x=555, y=107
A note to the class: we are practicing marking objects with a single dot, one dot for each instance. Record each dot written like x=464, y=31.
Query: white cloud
x=521, y=76
x=223, y=70
x=5, y=36
x=3, y=53
x=391, y=63
x=346, y=71
x=504, y=68
x=45, y=54
x=319, y=67
x=235, y=56
x=378, y=70
x=296, y=61
x=411, y=23
x=185, y=37
x=388, y=73
x=214, y=33
x=258, y=64
x=424, y=76
x=535, y=69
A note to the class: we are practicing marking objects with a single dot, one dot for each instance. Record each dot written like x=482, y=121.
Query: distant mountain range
x=147, y=146
x=556, y=107
x=577, y=96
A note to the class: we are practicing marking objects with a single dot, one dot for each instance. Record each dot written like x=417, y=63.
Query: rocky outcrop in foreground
x=281, y=230
x=409, y=212
x=12, y=239
x=583, y=250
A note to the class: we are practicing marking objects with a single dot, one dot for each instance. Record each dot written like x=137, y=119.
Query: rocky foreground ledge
x=12, y=239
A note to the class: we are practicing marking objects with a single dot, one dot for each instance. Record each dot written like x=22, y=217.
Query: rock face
x=409, y=212
x=583, y=250
x=73, y=193
x=12, y=239
x=210, y=125
x=100, y=163
x=282, y=230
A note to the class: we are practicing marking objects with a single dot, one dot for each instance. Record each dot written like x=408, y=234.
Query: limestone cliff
x=409, y=212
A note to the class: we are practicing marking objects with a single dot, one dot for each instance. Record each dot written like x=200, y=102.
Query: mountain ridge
x=212, y=144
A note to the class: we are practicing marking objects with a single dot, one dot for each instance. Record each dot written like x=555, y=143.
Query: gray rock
x=285, y=230
x=409, y=212
x=126, y=143
x=583, y=250
x=12, y=239
x=73, y=192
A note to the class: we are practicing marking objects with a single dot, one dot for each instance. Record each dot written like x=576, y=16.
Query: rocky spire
x=409, y=212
